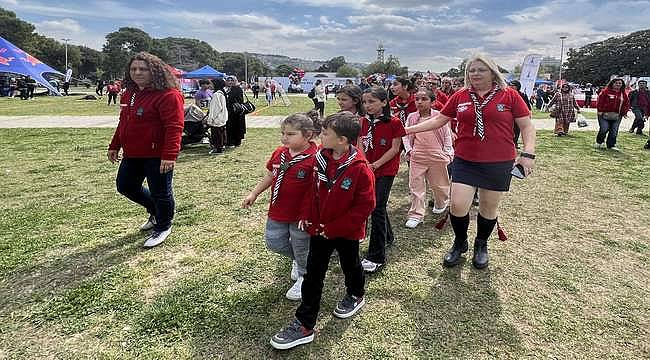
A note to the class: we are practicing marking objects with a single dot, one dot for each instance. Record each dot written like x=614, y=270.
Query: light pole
x=561, y=56
x=246, y=67
x=66, y=52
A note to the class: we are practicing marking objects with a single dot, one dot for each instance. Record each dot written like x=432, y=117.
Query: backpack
x=312, y=93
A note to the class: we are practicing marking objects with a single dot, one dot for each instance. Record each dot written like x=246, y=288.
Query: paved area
x=251, y=121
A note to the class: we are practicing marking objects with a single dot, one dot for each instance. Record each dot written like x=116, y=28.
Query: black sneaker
x=293, y=335
x=349, y=306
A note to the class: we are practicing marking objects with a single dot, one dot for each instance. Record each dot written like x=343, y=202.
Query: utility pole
x=246, y=67
x=66, y=52
x=561, y=55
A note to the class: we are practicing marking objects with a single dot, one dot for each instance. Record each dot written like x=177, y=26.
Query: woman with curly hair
x=149, y=135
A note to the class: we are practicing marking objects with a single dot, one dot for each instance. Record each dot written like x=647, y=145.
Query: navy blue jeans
x=607, y=128
x=157, y=197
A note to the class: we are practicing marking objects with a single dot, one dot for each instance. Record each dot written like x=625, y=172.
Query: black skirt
x=493, y=176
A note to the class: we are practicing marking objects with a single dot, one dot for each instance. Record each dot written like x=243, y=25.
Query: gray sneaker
x=349, y=306
x=293, y=335
x=156, y=238
x=149, y=224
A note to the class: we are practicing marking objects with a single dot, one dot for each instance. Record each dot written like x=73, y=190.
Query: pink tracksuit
x=430, y=153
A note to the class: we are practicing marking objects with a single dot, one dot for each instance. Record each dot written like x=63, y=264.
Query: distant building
x=549, y=61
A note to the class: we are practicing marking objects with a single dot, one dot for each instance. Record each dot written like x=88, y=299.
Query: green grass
x=571, y=281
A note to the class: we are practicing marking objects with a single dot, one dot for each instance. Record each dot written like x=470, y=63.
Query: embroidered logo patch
x=140, y=111
x=501, y=108
x=461, y=108
x=383, y=142
x=346, y=183
x=301, y=174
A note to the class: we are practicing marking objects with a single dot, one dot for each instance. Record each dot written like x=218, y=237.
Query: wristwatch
x=527, y=155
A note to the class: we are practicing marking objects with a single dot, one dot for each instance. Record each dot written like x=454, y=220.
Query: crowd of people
x=330, y=175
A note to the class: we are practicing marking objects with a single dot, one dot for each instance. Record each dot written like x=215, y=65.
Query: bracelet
x=527, y=155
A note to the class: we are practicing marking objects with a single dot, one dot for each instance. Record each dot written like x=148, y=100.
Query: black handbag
x=246, y=108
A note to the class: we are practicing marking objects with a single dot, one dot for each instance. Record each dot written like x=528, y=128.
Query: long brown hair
x=161, y=76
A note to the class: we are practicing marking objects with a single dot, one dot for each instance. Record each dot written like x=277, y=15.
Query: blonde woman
x=486, y=110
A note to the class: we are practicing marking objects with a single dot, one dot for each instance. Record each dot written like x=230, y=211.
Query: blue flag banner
x=15, y=60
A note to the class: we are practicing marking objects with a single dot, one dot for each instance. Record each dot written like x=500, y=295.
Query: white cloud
x=63, y=27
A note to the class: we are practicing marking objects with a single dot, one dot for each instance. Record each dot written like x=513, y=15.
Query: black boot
x=480, y=258
x=452, y=257
x=460, y=225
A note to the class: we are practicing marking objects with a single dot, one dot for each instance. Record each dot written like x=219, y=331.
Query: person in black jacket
x=236, y=124
x=515, y=84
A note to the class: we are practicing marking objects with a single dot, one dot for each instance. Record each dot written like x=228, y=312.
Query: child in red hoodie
x=343, y=196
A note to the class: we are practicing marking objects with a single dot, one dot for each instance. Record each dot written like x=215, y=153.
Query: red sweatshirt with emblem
x=151, y=124
x=342, y=210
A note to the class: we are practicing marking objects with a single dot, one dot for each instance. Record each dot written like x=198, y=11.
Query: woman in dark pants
x=612, y=105
x=149, y=135
x=486, y=111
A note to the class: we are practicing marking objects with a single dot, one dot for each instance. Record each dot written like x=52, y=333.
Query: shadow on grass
x=55, y=277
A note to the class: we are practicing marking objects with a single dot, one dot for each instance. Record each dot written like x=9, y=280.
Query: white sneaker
x=412, y=223
x=149, y=224
x=436, y=210
x=599, y=146
x=369, y=266
x=156, y=238
x=295, y=293
x=294, y=270
x=614, y=148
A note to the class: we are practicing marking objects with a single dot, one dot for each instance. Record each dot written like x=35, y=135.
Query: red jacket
x=151, y=124
x=342, y=211
x=610, y=101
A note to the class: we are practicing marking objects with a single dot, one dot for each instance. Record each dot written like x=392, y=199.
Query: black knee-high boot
x=460, y=225
x=484, y=229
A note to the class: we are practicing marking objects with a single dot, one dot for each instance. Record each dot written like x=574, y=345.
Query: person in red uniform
x=612, y=105
x=380, y=142
x=404, y=101
x=149, y=135
x=343, y=195
x=484, y=151
x=289, y=175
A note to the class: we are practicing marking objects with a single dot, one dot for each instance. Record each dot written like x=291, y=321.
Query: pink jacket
x=434, y=144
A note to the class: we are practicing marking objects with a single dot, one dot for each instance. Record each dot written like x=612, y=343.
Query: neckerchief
x=402, y=111
x=367, y=141
x=321, y=168
x=284, y=166
x=479, y=130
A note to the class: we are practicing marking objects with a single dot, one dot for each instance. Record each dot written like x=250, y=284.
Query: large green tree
x=347, y=71
x=121, y=45
x=283, y=70
x=233, y=63
x=187, y=54
x=16, y=31
x=596, y=62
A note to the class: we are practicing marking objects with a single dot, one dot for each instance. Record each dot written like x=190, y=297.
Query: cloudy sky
x=424, y=35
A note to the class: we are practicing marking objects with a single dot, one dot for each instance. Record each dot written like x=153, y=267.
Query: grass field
x=71, y=105
x=570, y=282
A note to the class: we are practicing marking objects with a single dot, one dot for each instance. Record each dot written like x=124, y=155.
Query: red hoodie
x=151, y=124
x=342, y=211
x=610, y=101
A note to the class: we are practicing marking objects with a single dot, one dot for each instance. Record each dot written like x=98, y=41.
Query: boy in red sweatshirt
x=343, y=197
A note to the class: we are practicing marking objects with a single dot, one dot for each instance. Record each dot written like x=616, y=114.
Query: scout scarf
x=479, y=130
x=321, y=168
x=284, y=166
x=402, y=112
x=367, y=141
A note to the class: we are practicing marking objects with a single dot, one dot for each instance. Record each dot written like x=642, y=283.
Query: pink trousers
x=421, y=172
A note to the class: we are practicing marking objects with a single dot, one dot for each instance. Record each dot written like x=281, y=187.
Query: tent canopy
x=206, y=72
x=15, y=60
